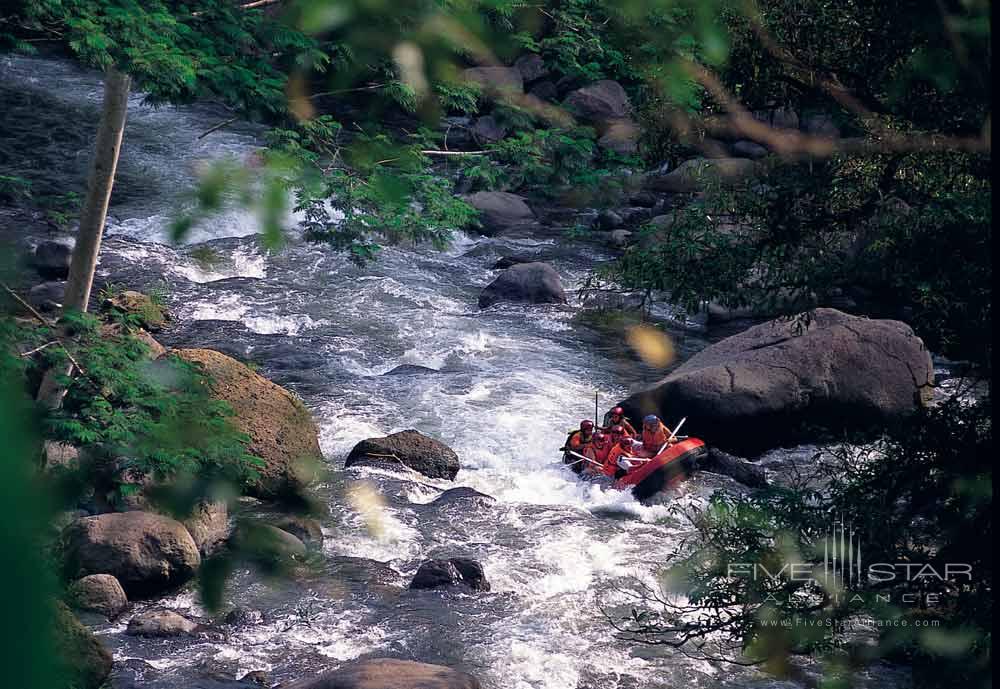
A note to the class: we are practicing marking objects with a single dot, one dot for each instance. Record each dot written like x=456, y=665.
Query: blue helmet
x=651, y=419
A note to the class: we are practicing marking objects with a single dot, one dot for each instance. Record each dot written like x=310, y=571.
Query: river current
x=512, y=381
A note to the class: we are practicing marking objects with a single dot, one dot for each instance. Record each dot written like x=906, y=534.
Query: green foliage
x=920, y=496
x=179, y=53
x=871, y=227
x=154, y=418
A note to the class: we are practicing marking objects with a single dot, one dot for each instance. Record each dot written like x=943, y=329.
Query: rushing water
x=512, y=381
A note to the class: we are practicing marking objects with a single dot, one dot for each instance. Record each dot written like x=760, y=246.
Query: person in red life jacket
x=654, y=436
x=625, y=447
x=580, y=440
x=616, y=417
x=598, y=452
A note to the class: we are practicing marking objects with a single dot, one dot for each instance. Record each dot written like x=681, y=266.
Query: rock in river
x=535, y=283
x=388, y=673
x=759, y=388
x=160, y=623
x=408, y=448
x=100, y=593
x=282, y=431
x=148, y=553
x=456, y=571
x=500, y=211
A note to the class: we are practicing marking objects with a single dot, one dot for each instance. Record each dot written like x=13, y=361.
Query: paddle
x=582, y=459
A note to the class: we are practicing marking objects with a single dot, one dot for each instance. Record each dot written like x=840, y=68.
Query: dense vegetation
x=893, y=218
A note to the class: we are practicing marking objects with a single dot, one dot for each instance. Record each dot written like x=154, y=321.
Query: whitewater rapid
x=513, y=380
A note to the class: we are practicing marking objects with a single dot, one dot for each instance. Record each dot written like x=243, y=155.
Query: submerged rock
x=282, y=431
x=534, y=283
x=148, y=553
x=736, y=468
x=410, y=370
x=160, y=623
x=410, y=449
x=100, y=593
x=388, y=673
x=456, y=571
x=267, y=544
x=462, y=494
x=759, y=388
x=505, y=262
x=81, y=655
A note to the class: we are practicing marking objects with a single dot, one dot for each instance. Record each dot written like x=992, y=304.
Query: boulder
x=778, y=118
x=505, y=262
x=500, y=211
x=112, y=331
x=267, y=544
x=208, y=526
x=534, y=283
x=456, y=571
x=148, y=553
x=464, y=496
x=487, y=130
x=306, y=529
x=408, y=448
x=748, y=149
x=699, y=173
x=81, y=655
x=282, y=431
x=532, y=67
x=599, y=102
x=100, y=593
x=767, y=385
x=609, y=220
x=736, y=468
x=545, y=91
x=821, y=124
x=620, y=135
x=388, y=673
x=503, y=80
x=160, y=623
x=51, y=259
x=142, y=308
x=47, y=296
x=620, y=239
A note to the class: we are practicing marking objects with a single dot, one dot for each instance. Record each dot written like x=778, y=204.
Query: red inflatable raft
x=674, y=464
x=647, y=477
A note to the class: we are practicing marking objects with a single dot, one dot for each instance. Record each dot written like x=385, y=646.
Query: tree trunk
x=92, y=216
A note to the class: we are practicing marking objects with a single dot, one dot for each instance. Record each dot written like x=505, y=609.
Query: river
x=513, y=379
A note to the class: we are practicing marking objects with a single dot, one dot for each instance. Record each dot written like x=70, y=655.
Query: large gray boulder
x=208, y=525
x=148, y=553
x=389, y=673
x=700, y=173
x=534, y=283
x=410, y=449
x=766, y=385
x=500, y=211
